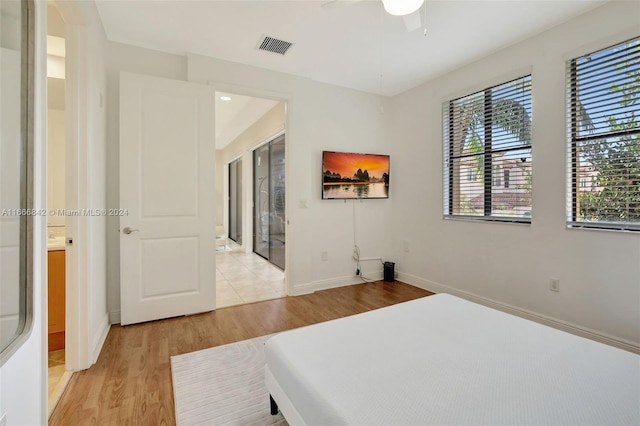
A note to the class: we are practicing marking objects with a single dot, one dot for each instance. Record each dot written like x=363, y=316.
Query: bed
x=442, y=360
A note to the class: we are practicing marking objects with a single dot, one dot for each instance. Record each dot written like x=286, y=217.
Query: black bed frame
x=274, y=405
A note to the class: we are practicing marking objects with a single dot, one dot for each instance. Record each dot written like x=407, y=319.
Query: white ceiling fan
x=408, y=9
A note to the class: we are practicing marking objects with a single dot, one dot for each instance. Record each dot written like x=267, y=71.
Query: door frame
x=78, y=351
x=247, y=228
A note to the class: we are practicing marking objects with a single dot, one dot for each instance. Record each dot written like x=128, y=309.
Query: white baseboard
x=312, y=287
x=374, y=276
x=114, y=317
x=533, y=316
x=335, y=283
x=319, y=285
x=301, y=289
x=101, y=337
x=345, y=281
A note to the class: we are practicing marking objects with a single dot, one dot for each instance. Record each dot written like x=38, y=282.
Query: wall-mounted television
x=347, y=175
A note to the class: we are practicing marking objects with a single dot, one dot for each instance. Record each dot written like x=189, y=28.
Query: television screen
x=350, y=176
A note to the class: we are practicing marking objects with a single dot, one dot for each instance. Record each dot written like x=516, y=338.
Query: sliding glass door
x=235, y=200
x=269, y=236
x=277, y=223
x=261, y=201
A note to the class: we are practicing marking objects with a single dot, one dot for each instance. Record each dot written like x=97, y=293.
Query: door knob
x=127, y=230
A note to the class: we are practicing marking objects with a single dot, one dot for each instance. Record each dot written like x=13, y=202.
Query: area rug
x=223, y=386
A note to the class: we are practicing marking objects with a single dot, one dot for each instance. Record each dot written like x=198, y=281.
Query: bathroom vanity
x=56, y=300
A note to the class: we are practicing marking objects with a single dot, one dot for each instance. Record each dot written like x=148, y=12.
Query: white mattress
x=441, y=360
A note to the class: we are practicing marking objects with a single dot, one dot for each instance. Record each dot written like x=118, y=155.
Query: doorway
x=269, y=236
x=58, y=375
x=244, y=124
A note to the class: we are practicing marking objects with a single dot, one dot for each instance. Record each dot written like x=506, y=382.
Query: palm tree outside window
x=489, y=132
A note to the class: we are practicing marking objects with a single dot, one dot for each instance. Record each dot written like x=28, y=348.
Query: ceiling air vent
x=274, y=45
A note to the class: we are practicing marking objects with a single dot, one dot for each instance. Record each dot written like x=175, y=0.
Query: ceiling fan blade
x=336, y=4
x=413, y=21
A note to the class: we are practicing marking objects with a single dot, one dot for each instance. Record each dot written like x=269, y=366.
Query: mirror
x=16, y=200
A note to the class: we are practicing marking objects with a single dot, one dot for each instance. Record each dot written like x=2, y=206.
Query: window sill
x=506, y=220
x=580, y=226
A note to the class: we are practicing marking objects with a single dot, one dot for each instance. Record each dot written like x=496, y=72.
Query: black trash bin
x=389, y=272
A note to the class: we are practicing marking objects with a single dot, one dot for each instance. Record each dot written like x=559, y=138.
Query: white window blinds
x=487, y=153
x=603, y=90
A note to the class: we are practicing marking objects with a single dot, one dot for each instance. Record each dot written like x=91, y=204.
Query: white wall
x=273, y=122
x=122, y=57
x=56, y=142
x=509, y=264
x=86, y=296
x=97, y=191
x=320, y=117
x=599, y=271
x=23, y=386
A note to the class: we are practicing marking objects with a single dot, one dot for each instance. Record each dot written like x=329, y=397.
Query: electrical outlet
x=405, y=246
x=324, y=256
x=554, y=284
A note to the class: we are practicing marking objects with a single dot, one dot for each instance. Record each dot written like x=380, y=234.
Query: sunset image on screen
x=347, y=164
x=348, y=175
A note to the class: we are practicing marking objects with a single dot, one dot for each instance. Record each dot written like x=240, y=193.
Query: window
x=604, y=138
x=472, y=174
x=16, y=166
x=489, y=132
x=497, y=175
x=583, y=182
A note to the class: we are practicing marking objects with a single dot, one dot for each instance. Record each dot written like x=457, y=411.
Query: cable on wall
x=356, y=251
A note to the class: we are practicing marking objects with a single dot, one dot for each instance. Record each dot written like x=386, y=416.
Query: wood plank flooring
x=130, y=384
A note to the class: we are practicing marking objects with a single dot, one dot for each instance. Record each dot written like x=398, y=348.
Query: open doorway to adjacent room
x=251, y=193
x=58, y=375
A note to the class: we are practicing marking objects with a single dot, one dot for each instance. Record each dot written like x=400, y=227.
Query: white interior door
x=167, y=227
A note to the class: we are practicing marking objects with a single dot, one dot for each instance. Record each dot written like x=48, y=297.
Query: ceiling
x=236, y=115
x=357, y=46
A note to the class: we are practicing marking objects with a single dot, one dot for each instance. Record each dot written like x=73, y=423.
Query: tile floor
x=245, y=278
x=58, y=378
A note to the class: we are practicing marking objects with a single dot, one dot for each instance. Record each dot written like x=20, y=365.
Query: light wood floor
x=131, y=381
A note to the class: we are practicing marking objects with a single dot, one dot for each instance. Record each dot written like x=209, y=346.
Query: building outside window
x=488, y=133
